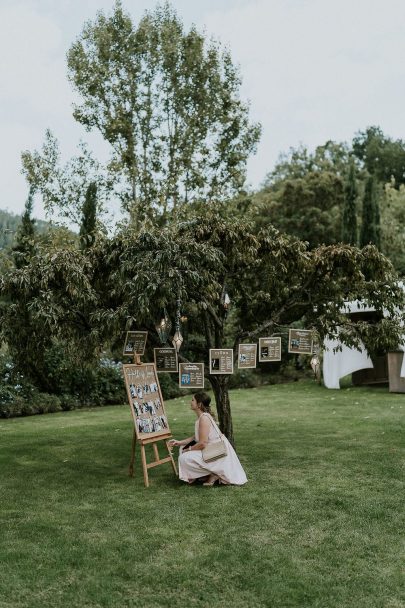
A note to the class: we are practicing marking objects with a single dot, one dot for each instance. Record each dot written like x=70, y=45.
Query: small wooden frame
x=166, y=360
x=269, y=349
x=247, y=356
x=300, y=341
x=135, y=342
x=148, y=413
x=191, y=375
x=221, y=361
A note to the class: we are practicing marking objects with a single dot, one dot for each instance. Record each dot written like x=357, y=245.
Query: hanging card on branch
x=166, y=359
x=221, y=361
x=300, y=341
x=269, y=349
x=247, y=356
x=191, y=375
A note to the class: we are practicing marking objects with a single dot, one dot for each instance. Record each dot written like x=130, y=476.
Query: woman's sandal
x=211, y=481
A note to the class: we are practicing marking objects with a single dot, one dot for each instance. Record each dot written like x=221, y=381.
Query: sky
x=313, y=71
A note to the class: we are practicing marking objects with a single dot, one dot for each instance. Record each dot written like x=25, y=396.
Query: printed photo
x=185, y=379
x=215, y=363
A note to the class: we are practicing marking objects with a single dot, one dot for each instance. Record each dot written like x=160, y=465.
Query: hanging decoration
x=177, y=338
x=163, y=327
x=225, y=301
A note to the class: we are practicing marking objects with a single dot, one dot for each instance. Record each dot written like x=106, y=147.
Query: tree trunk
x=220, y=388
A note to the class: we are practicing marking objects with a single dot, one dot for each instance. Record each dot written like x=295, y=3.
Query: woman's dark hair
x=203, y=401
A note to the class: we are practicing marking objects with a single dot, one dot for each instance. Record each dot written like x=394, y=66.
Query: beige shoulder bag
x=216, y=449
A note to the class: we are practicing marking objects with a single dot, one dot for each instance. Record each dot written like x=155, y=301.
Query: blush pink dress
x=228, y=469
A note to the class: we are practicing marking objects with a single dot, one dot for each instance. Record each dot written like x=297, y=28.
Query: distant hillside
x=9, y=223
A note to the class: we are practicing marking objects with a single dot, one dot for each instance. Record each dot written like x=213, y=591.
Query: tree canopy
x=168, y=102
x=272, y=280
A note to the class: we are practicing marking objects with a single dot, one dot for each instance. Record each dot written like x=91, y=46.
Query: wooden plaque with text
x=269, y=349
x=221, y=360
x=300, y=341
x=135, y=342
x=247, y=356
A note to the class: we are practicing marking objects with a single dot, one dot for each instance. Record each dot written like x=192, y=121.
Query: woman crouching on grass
x=226, y=470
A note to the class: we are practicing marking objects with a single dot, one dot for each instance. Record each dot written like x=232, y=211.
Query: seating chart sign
x=221, y=361
x=135, y=343
x=191, y=375
x=166, y=359
x=269, y=349
x=145, y=400
x=247, y=356
x=300, y=341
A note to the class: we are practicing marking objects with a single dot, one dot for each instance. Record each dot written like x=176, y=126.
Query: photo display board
x=166, y=359
x=191, y=375
x=269, y=349
x=135, y=342
x=145, y=400
x=221, y=361
x=300, y=341
x=247, y=356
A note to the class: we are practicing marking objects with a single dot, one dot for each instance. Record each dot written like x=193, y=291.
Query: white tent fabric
x=402, y=372
x=339, y=364
x=349, y=360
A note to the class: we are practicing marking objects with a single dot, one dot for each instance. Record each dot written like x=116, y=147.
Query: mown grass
x=320, y=523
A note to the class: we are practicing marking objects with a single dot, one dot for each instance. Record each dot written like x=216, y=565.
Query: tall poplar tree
x=24, y=247
x=89, y=217
x=370, y=227
x=349, y=220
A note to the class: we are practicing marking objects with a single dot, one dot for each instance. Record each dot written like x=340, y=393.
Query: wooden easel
x=153, y=441
x=148, y=465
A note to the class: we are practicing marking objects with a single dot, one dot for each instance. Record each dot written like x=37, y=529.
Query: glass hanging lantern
x=177, y=340
x=163, y=327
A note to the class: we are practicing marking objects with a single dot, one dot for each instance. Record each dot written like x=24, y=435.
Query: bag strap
x=214, y=424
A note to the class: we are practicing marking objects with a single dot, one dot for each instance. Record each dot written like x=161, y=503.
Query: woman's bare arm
x=204, y=425
x=181, y=441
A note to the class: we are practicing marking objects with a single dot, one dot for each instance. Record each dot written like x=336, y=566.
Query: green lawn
x=320, y=523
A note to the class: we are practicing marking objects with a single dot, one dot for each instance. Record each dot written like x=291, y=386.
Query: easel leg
x=144, y=466
x=171, y=458
x=156, y=451
x=131, y=464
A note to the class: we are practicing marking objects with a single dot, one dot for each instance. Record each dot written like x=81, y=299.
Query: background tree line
x=167, y=101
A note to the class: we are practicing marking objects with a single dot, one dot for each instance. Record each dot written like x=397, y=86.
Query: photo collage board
x=145, y=400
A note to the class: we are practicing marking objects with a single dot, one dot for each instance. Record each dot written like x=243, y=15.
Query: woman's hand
x=174, y=442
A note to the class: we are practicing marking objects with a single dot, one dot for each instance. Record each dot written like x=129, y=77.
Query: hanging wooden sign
x=148, y=413
x=166, y=359
x=269, y=349
x=191, y=375
x=300, y=341
x=221, y=361
x=135, y=342
x=247, y=356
